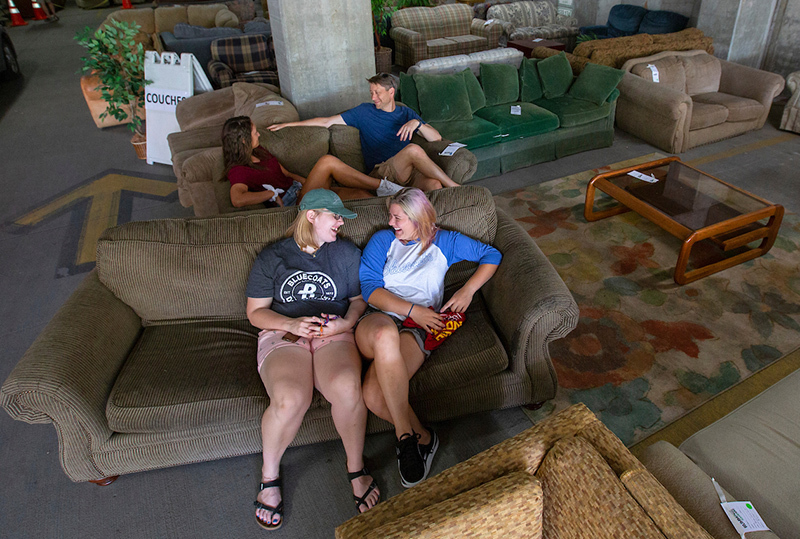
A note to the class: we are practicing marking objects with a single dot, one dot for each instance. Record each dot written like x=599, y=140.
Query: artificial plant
x=381, y=13
x=118, y=61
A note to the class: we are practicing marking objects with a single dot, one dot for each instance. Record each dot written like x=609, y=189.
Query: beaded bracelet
x=411, y=309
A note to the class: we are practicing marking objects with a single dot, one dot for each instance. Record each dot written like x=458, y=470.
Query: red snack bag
x=434, y=339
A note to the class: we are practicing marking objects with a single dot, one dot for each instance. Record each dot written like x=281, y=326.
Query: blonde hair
x=420, y=212
x=302, y=230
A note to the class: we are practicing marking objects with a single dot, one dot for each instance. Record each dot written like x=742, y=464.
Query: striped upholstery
x=533, y=19
x=236, y=58
x=422, y=32
x=457, y=63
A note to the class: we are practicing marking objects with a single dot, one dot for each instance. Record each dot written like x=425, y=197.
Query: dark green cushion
x=572, y=112
x=500, y=83
x=476, y=98
x=529, y=81
x=532, y=121
x=595, y=83
x=408, y=92
x=475, y=133
x=443, y=98
x=556, y=75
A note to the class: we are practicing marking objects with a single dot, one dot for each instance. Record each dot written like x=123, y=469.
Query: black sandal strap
x=360, y=473
x=275, y=510
x=363, y=499
x=271, y=484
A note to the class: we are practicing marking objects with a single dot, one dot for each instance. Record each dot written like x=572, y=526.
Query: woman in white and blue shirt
x=402, y=275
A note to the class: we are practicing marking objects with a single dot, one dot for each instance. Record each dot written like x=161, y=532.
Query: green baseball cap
x=323, y=199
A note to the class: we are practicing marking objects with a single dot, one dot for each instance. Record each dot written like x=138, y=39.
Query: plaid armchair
x=420, y=33
x=246, y=58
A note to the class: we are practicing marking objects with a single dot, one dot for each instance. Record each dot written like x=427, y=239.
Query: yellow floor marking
x=741, y=149
x=103, y=208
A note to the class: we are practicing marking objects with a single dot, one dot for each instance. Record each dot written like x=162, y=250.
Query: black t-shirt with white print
x=301, y=284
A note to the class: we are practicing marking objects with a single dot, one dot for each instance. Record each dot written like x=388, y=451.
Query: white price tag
x=537, y=40
x=488, y=21
x=269, y=103
x=516, y=110
x=744, y=517
x=654, y=71
x=639, y=176
x=451, y=148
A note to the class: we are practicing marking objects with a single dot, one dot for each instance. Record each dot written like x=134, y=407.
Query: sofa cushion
x=297, y=148
x=706, y=115
x=441, y=47
x=164, y=384
x=263, y=106
x=703, y=73
x=408, y=92
x=443, y=98
x=533, y=120
x=500, y=83
x=740, y=109
x=477, y=100
x=184, y=30
x=556, y=75
x=670, y=69
x=662, y=22
x=469, y=43
x=475, y=133
x=572, y=112
x=345, y=143
x=530, y=83
x=167, y=17
x=204, y=14
x=595, y=83
x=576, y=481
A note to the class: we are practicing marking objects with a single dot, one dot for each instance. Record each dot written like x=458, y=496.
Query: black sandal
x=275, y=510
x=359, y=501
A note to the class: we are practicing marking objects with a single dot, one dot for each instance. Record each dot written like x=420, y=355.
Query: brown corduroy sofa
x=197, y=148
x=152, y=361
x=566, y=477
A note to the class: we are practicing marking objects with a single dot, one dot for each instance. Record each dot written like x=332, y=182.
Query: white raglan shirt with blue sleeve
x=388, y=263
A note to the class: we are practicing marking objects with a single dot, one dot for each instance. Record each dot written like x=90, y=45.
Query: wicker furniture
x=698, y=99
x=151, y=362
x=246, y=58
x=432, y=32
x=790, y=121
x=591, y=487
x=532, y=19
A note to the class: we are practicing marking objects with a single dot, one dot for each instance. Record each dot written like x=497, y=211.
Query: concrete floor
x=52, y=161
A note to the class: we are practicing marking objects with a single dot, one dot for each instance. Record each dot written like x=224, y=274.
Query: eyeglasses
x=336, y=216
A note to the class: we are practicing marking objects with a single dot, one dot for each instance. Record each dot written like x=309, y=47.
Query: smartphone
x=290, y=337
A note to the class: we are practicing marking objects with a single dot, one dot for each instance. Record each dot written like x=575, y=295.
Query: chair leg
x=104, y=482
x=534, y=405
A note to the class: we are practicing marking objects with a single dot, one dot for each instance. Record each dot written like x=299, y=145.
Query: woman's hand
x=459, y=302
x=306, y=326
x=334, y=326
x=428, y=319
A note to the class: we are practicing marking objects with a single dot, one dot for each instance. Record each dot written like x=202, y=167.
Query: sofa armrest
x=744, y=81
x=459, y=167
x=692, y=489
x=201, y=137
x=654, y=113
x=221, y=75
x=566, y=20
x=528, y=317
x=600, y=30
x=491, y=31
x=406, y=36
x=67, y=374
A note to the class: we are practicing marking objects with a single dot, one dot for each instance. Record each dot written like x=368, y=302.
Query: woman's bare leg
x=330, y=168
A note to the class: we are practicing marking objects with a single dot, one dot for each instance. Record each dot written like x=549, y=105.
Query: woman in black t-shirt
x=304, y=294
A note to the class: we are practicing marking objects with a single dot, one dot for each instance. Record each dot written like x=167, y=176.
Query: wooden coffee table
x=527, y=45
x=692, y=206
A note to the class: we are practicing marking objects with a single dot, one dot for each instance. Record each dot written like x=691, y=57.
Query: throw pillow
x=443, y=98
x=530, y=83
x=595, y=83
x=500, y=83
x=408, y=92
x=225, y=18
x=263, y=106
x=476, y=98
x=556, y=75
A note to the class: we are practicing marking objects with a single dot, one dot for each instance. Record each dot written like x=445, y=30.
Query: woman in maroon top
x=256, y=176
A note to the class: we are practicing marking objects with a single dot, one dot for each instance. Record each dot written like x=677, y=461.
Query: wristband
x=411, y=309
x=417, y=129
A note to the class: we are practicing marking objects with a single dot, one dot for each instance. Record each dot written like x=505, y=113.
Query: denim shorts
x=289, y=198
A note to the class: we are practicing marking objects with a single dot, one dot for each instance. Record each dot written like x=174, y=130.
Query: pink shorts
x=270, y=340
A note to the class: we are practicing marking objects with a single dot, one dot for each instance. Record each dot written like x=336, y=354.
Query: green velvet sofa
x=517, y=117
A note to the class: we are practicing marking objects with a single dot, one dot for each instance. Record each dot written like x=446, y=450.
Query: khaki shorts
x=270, y=340
x=387, y=170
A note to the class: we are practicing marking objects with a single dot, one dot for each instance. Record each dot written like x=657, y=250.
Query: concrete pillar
x=751, y=32
x=324, y=53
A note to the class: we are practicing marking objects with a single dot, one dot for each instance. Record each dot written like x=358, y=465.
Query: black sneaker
x=409, y=460
x=428, y=451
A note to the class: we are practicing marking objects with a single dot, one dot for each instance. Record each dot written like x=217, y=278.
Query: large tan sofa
x=151, y=362
x=698, y=99
x=566, y=477
x=197, y=148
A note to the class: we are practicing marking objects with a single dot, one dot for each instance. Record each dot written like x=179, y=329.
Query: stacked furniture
x=197, y=148
x=616, y=51
x=151, y=362
x=420, y=33
x=627, y=20
x=531, y=19
x=248, y=58
x=513, y=117
x=790, y=120
x=567, y=476
x=753, y=452
x=678, y=100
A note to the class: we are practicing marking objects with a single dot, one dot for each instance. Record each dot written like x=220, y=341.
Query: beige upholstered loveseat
x=151, y=362
x=698, y=99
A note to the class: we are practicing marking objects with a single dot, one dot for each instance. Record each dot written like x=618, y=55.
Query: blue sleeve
x=373, y=261
x=457, y=247
x=411, y=114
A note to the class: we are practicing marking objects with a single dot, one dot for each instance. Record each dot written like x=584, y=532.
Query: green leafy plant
x=118, y=61
x=381, y=15
x=413, y=3
x=591, y=36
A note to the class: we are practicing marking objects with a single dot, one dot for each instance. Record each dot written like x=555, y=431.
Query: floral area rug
x=646, y=351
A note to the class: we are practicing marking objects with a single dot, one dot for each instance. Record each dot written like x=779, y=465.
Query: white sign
x=164, y=100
